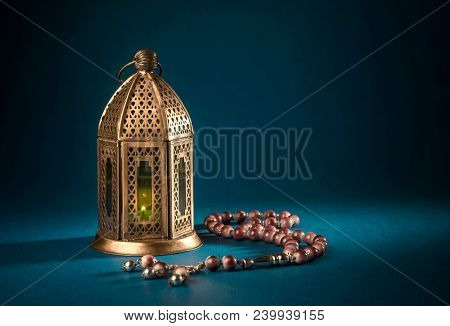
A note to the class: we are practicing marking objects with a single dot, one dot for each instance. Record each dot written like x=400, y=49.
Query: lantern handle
x=119, y=74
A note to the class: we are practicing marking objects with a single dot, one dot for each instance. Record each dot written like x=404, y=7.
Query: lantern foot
x=155, y=247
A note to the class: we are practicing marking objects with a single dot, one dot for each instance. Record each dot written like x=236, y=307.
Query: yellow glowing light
x=143, y=208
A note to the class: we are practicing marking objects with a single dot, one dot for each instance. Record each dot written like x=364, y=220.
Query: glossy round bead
x=298, y=235
x=225, y=231
x=254, y=213
x=226, y=217
x=229, y=262
x=180, y=270
x=177, y=280
x=309, y=237
x=286, y=231
x=148, y=274
x=255, y=220
x=268, y=236
x=218, y=217
x=253, y=234
x=323, y=243
x=284, y=214
x=212, y=263
x=285, y=222
x=291, y=241
x=270, y=213
x=300, y=257
x=270, y=221
x=271, y=227
x=260, y=229
x=284, y=239
x=319, y=248
x=238, y=233
x=295, y=219
x=161, y=269
x=210, y=218
x=277, y=238
x=148, y=261
x=210, y=225
x=128, y=266
x=240, y=216
x=218, y=228
x=310, y=253
x=319, y=238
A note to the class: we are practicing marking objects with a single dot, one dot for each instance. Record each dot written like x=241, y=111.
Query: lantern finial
x=145, y=60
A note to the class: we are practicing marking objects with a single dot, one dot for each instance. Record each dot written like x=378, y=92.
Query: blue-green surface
x=410, y=235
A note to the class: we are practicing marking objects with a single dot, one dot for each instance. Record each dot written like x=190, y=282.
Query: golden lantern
x=145, y=167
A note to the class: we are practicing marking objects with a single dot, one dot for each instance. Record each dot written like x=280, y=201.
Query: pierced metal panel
x=142, y=117
x=107, y=223
x=179, y=123
x=110, y=119
x=181, y=223
x=155, y=226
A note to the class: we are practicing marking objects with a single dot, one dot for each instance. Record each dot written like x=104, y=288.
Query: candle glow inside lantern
x=145, y=167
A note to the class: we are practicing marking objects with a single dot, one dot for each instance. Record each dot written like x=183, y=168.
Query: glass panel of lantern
x=144, y=190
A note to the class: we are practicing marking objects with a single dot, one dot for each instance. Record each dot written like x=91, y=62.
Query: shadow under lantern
x=145, y=167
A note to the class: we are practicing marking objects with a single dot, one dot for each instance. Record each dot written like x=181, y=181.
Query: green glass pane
x=182, y=187
x=144, y=191
x=108, y=190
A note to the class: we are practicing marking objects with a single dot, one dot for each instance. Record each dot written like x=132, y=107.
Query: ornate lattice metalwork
x=107, y=224
x=179, y=123
x=155, y=226
x=111, y=116
x=142, y=118
x=181, y=223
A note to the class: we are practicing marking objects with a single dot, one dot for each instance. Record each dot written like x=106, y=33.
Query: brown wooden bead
x=269, y=213
x=284, y=214
x=254, y=213
x=285, y=238
x=225, y=231
x=212, y=263
x=238, y=233
x=323, y=243
x=319, y=238
x=298, y=235
x=211, y=224
x=319, y=247
x=181, y=270
x=268, y=236
x=271, y=227
x=309, y=237
x=270, y=221
x=310, y=253
x=286, y=231
x=240, y=216
x=218, y=228
x=277, y=238
x=229, y=262
x=285, y=222
x=291, y=241
x=226, y=217
x=255, y=220
x=289, y=250
x=210, y=218
x=300, y=257
x=253, y=234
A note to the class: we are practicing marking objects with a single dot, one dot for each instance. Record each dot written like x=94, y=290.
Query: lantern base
x=153, y=247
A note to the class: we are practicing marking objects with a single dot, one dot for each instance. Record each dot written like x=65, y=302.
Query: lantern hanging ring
x=144, y=60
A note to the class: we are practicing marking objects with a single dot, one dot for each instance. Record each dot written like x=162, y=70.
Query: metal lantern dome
x=145, y=167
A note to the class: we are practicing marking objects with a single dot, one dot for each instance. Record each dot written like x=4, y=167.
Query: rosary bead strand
x=255, y=226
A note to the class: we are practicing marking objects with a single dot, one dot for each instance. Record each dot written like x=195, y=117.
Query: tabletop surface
x=381, y=253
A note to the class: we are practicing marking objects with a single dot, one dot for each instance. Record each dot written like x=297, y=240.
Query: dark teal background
x=378, y=154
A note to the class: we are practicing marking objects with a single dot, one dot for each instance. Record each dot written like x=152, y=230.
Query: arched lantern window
x=145, y=166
